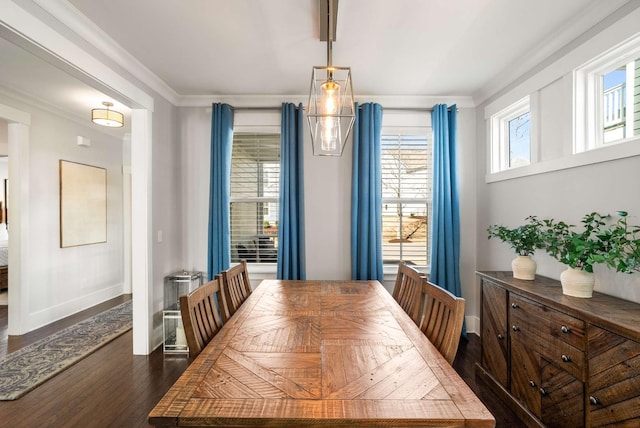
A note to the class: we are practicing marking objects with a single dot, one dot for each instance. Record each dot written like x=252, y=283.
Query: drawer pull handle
x=515, y=328
x=566, y=358
x=515, y=305
x=543, y=392
x=565, y=329
x=532, y=383
x=594, y=400
x=500, y=337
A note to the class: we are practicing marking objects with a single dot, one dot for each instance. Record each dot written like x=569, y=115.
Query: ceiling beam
x=324, y=19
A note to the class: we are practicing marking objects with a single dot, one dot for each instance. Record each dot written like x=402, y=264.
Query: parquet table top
x=320, y=353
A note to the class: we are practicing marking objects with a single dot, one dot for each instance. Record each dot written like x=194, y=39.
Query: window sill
x=627, y=149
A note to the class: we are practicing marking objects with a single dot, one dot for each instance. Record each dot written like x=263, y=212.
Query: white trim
x=68, y=55
x=588, y=93
x=598, y=155
x=70, y=16
x=570, y=31
x=500, y=137
x=144, y=336
x=625, y=28
x=14, y=115
x=19, y=278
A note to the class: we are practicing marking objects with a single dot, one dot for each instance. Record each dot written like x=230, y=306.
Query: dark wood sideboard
x=560, y=361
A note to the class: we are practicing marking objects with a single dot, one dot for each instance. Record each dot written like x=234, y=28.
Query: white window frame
x=588, y=96
x=499, y=134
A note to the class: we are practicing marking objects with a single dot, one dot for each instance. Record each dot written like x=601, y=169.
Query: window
x=511, y=137
x=255, y=183
x=607, y=98
x=406, y=198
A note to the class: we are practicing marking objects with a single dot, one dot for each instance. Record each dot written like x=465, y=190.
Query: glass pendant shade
x=331, y=110
x=106, y=117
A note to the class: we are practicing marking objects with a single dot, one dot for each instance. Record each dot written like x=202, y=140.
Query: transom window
x=607, y=98
x=511, y=137
x=406, y=198
x=255, y=187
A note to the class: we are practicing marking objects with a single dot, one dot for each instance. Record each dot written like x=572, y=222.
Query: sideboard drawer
x=547, y=322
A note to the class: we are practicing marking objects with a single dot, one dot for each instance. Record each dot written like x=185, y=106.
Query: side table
x=175, y=285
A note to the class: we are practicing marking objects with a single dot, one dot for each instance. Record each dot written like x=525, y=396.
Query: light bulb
x=329, y=126
x=330, y=97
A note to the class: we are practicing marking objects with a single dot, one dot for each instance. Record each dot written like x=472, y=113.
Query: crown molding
x=548, y=48
x=71, y=17
x=389, y=101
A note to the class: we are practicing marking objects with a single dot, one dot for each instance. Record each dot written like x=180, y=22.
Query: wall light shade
x=331, y=111
x=107, y=117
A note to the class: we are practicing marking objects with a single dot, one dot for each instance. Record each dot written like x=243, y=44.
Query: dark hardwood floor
x=113, y=388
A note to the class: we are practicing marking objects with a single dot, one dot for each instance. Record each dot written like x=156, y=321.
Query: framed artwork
x=83, y=204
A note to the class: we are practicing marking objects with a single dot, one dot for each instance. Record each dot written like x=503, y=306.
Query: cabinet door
x=614, y=379
x=525, y=375
x=494, y=331
x=562, y=397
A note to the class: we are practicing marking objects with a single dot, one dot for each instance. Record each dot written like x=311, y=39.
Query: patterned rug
x=23, y=370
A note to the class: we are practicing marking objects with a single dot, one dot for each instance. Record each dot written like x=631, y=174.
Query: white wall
x=167, y=207
x=565, y=193
x=63, y=281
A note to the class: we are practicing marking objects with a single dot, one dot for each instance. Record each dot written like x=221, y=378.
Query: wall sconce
x=106, y=117
x=331, y=111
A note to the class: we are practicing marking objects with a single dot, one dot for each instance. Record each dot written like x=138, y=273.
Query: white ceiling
x=268, y=47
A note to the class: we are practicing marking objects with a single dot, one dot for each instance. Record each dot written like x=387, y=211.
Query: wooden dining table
x=320, y=353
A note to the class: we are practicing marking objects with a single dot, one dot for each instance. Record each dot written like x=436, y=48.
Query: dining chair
x=407, y=290
x=201, y=317
x=442, y=319
x=235, y=287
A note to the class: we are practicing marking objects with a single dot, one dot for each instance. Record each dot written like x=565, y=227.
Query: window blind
x=406, y=162
x=255, y=183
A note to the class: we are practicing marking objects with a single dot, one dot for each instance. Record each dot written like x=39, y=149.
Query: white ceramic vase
x=524, y=267
x=577, y=283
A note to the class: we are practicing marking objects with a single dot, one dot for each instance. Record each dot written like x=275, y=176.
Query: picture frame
x=83, y=204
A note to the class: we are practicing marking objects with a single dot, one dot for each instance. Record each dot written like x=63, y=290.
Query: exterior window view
x=255, y=182
x=406, y=192
x=520, y=141
x=621, y=102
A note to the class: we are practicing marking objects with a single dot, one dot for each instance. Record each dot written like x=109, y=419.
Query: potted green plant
x=524, y=240
x=621, y=244
x=616, y=245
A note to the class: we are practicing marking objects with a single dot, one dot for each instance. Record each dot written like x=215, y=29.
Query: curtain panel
x=445, y=229
x=291, y=254
x=366, y=194
x=219, y=247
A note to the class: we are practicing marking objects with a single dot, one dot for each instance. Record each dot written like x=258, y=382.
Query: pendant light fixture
x=331, y=111
x=106, y=117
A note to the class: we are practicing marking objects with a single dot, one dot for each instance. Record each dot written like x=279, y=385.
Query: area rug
x=23, y=370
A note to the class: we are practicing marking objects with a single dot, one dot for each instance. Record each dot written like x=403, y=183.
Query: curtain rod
x=417, y=109
x=273, y=108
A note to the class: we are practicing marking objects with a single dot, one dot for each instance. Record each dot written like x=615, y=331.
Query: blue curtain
x=291, y=256
x=445, y=218
x=366, y=194
x=220, y=189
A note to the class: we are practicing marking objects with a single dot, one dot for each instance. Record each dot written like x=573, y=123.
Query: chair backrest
x=443, y=319
x=235, y=287
x=407, y=290
x=200, y=315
